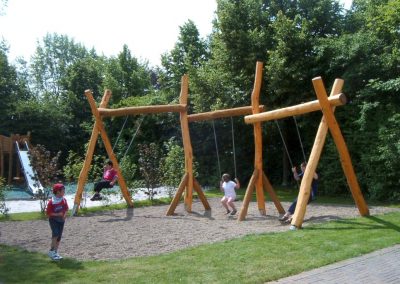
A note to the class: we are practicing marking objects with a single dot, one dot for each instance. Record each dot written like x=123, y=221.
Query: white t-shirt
x=229, y=188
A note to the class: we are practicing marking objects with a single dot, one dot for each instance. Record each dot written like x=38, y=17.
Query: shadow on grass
x=385, y=223
x=355, y=225
x=18, y=265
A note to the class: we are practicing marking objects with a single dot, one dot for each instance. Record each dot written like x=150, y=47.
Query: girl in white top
x=228, y=187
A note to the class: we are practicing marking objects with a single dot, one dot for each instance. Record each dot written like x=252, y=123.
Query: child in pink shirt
x=109, y=179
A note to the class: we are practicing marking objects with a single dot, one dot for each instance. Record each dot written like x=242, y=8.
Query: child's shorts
x=57, y=228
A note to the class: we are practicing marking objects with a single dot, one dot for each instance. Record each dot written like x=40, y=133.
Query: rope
x=287, y=151
x=233, y=147
x=284, y=144
x=216, y=148
x=133, y=137
x=120, y=132
x=301, y=143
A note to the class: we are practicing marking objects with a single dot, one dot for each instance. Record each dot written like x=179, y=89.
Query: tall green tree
x=50, y=63
x=12, y=90
x=367, y=55
x=188, y=54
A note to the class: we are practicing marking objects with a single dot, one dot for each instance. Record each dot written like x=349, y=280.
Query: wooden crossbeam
x=106, y=112
x=336, y=100
x=239, y=111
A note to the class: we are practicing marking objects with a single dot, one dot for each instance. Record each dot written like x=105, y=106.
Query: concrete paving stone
x=381, y=266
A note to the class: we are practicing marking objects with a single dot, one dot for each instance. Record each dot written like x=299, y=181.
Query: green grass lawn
x=250, y=259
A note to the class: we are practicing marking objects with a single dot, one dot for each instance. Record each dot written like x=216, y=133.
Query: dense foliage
x=296, y=41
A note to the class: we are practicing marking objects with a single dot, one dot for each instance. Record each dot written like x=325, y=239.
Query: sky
x=148, y=27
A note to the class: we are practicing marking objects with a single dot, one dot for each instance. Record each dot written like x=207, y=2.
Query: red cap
x=57, y=187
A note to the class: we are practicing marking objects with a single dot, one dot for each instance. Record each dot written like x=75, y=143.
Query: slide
x=33, y=185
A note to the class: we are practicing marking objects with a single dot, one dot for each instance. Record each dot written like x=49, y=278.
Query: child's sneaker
x=283, y=218
x=96, y=196
x=51, y=253
x=227, y=212
x=58, y=256
x=233, y=212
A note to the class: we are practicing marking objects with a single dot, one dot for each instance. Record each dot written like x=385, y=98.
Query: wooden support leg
x=178, y=195
x=201, y=195
x=341, y=146
x=268, y=188
x=88, y=158
x=247, y=196
x=304, y=192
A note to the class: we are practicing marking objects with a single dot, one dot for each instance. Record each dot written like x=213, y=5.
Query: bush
x=3, y=207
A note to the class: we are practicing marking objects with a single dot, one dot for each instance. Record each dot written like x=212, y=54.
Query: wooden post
x=258, y=139
x=341, y=147
x=201, y=195
x=248, y=195
x=175, y=201
x=11, y=157
x=187, y=146
x=269, y=189
x=88, y=158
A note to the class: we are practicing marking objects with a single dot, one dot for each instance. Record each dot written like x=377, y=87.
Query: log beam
x=105, y=112
x=247, y=196
x=258, y=162
x=337, y=100
x=239, y=111
x=178, y=194
x=187, y=145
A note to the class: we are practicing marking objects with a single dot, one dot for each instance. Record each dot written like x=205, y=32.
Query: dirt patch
x=147, y=231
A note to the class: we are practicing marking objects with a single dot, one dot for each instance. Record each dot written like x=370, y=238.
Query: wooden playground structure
x=254, y=115
x=9, y=155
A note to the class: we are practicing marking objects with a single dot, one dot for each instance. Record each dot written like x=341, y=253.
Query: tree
x=47, y=170
x=10, y=91
x=149, y=166
x=367, y=56
x=173, y=166
x=188, y=54
x=50, y=63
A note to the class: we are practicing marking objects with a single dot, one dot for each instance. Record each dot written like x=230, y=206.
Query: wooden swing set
x=327, y=106
x=253, y=115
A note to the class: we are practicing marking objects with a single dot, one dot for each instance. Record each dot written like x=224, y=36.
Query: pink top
x=109, y=174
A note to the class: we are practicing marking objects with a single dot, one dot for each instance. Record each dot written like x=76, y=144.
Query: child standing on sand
x=57, y=209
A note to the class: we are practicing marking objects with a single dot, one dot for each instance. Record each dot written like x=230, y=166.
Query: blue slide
x=33, y=183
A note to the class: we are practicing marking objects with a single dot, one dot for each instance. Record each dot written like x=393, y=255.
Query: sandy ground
x=147, y=231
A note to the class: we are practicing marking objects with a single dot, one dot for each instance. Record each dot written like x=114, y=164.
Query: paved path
x=382, y=266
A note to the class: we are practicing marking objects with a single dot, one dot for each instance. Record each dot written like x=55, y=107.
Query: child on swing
x=228, y=188
x=287, y=218
x=109, y=179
